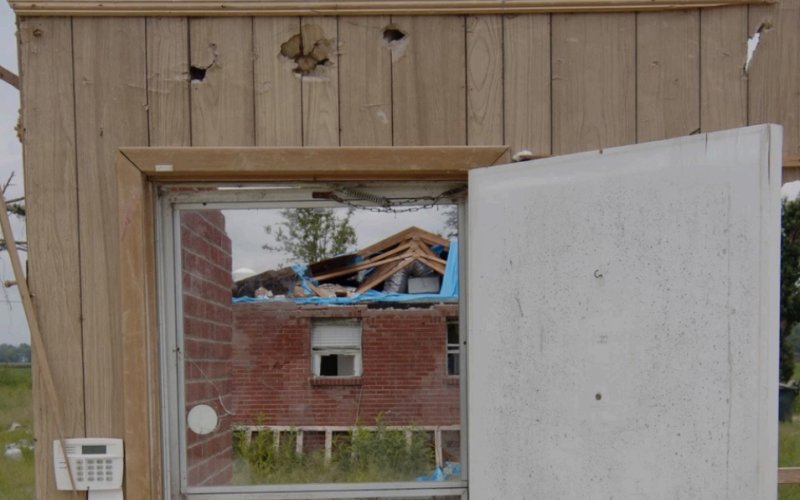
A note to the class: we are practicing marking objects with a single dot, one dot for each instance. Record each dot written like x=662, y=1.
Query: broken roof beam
x=357, y=267
x=383, y=273
x=406, y=234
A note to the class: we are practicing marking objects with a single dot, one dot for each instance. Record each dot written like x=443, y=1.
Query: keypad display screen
x=93, y=449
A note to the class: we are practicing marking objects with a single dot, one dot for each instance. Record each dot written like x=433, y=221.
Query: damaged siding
x=549, y=83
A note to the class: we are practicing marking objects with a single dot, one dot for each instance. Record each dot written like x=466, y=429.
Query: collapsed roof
x=413, y=264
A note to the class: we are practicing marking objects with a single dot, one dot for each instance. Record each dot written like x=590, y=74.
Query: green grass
x=16, y=476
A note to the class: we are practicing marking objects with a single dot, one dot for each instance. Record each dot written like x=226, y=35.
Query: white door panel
x=623, y=322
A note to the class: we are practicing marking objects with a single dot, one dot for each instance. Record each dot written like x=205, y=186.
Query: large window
x=303, y=365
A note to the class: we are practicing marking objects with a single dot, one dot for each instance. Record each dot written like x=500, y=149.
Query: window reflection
x=344, y=369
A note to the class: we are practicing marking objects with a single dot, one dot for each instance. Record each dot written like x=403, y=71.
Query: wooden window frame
x=139, y=172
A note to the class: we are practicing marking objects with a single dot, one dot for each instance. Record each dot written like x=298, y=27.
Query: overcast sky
x=13, y=327
x=246, y=229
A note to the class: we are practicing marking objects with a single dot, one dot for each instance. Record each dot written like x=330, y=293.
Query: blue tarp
x=447, y=292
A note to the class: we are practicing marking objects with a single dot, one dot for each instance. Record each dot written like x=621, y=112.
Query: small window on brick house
x=452, y=347
x=336, y=348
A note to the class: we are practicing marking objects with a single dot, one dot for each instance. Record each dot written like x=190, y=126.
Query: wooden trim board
x=138, y=169
x=788, y=475
x=348, y=8
x=303, y=164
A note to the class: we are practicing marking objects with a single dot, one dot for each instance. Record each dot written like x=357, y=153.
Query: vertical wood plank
x=428, y=81
x=668, y=74
x=111, y=101
x=48, y=118
x=321, y=88
x=278, y=98
x=527, y=83
x=723, y=84
x=594, y=88
x=168, y=81
x=484, y=80
x=222, y=101
x=135, y=319
x=365, y=82
x=169, y=122
x=775, y=70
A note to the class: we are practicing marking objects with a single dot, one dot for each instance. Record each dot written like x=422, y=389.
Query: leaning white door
x=623, y=322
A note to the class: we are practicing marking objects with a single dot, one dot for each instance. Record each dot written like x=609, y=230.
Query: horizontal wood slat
x=352, y=7
x=380, y=163
x=788, y=475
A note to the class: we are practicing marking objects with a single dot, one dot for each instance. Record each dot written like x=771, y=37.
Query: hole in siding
x=396, y=40
x=310, y=51
x=752, y=44
x=197, y=74
x=392, y=34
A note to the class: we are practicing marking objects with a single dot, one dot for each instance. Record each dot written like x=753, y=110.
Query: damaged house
x=313, y=351
x=368, y=336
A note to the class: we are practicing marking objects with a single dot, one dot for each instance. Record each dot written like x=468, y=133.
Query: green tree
x=790, y=282
x=312, y=234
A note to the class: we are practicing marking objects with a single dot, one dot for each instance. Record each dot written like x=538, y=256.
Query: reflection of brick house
x=329, y=359
x=404, y=367
x=320, y=366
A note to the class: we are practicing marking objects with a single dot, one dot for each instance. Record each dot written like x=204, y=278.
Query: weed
x=364, y=455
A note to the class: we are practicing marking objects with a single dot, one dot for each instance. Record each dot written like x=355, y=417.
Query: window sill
x=452, y=380
x=326, y=381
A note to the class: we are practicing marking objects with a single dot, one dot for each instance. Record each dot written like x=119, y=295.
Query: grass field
x=16, y=476
x=789, y=455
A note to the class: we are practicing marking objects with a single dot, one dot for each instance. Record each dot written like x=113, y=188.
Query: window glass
x=453, y=347
x=336, y=347
x=315, y=336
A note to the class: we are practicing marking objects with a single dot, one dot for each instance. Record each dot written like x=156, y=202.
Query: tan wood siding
x=48, y=117
x=222, y=102
x=723, y=84
x=667, y=75
x=774, y=74
x=552, y=83
x=111, y=110
x=168, y=81
x=428, y=81
x=321, y=90
x=484, y=80
x=365, y=86
x=526, y=82
x=278, y=98
x=594, y=81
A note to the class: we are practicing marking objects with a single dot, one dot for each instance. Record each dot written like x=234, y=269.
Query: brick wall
x=208, y=335
x=404, y=367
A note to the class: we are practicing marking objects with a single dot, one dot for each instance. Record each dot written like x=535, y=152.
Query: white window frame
x=351, y=349
x=452, y=348
x=168, y=208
